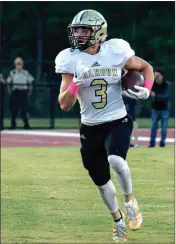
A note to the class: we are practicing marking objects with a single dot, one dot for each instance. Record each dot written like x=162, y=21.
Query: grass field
x=73, y=123
x=47, y=197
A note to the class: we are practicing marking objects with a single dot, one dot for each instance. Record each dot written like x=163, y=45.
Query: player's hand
x=126, y=94
x=142, y=93
x=79, y=74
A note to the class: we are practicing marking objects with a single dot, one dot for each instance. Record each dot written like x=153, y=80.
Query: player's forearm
x=142, y=66
x=148, y=75
x=147, y=72
x=67, y=100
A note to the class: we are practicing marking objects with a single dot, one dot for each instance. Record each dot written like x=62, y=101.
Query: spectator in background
x=19, y=87
x=160, y=107
x=2, y=101
x=131, y=110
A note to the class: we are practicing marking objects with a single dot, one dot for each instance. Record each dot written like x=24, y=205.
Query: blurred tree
x=45, y=23
x=38, y=30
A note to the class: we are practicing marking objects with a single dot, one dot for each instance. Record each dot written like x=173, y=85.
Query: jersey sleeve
x=123, y=51
x=64, y=62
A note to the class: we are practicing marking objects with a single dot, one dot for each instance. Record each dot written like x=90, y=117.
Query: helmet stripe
x=80, y=16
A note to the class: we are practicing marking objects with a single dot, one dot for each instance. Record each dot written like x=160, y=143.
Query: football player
x=91, y=73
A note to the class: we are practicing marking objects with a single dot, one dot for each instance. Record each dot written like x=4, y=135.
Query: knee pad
x=117, y=163
x=109, y=186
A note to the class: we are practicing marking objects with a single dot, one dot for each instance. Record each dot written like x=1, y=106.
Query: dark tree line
x=37, y=31
x=148, y=26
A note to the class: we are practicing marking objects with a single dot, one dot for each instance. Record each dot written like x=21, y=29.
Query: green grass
x=47, y=197
x=72, y=123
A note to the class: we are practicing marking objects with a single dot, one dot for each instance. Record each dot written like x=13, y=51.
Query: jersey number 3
x=100, y=93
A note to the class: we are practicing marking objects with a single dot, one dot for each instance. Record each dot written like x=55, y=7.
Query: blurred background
x=37, y=32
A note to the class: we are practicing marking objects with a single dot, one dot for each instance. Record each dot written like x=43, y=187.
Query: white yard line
x=65, y=134
x=40, y=133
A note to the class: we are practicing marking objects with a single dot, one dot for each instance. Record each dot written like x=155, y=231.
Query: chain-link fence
x=43, y=103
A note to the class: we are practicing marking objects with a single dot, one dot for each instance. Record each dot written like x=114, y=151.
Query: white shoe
x=134, y=214
x=119, y=230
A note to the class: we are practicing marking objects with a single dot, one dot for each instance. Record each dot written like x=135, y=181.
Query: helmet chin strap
x=83, y=46
x=93, y=51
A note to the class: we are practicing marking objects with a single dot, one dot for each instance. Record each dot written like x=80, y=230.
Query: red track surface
x=18, y=140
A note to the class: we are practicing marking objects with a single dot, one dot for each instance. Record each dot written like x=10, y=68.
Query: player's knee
x=109, y=186
x=99, y=179
x=117, y=163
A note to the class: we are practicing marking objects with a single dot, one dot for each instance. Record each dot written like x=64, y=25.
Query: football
x=132, y=78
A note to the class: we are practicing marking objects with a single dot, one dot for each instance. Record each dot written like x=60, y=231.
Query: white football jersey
x=100, y=96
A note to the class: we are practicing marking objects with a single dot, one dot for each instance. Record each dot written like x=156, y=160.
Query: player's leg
x=164, y=126
x=117, y=145
x=153, y=133
x=118, y=141
x=94, y=159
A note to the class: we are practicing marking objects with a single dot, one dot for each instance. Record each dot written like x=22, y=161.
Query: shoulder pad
x=121, y=46
x=64, y=62
x=122, y=51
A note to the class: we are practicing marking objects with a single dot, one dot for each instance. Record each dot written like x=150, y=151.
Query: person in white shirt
x=20, y=88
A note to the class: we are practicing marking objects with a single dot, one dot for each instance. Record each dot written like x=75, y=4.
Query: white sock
x=122, y=173
x=108, y=194
x=128, y=203
x=119, y=222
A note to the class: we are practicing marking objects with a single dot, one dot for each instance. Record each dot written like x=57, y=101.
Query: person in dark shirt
x=160, y=107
